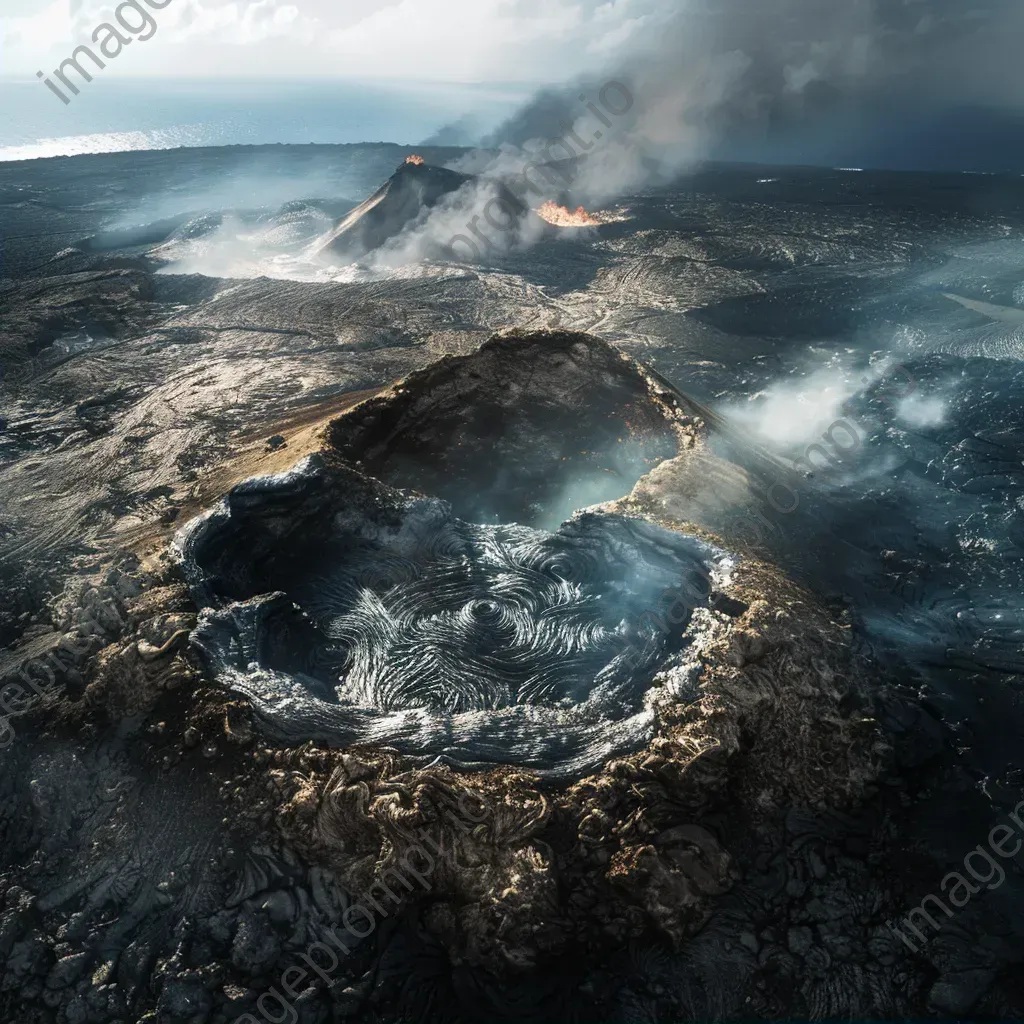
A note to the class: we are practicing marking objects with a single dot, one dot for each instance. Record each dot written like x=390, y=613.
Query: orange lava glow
x=415, y=159
x=564, y=218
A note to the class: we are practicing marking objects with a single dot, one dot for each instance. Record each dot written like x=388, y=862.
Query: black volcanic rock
x=640, y=748
x=161, y=841
x=489, y=641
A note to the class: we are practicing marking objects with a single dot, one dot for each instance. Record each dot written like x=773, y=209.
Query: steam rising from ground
x=830, y=418
x=471, y=225
x=798, y=411
x=260, y=186
x=922, y=411
x=280, y=245
x=287, y=244
x=477, y=205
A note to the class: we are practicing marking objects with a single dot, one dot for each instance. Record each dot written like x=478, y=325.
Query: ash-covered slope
x=527, y=429
x=413, y=190
x=399, y=201
x=641, y=716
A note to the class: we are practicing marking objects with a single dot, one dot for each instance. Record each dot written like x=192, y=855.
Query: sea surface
x=113, y=115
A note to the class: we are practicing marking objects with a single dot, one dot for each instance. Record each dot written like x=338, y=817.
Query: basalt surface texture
x=831, y=708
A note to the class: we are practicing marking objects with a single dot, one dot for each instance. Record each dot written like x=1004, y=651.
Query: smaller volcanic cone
x=562, y=217
x=414, y=187
x=401, y=201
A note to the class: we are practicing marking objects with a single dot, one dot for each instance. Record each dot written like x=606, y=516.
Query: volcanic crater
x=351, y=607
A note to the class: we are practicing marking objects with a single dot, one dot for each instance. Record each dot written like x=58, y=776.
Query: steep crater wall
x=528, y=429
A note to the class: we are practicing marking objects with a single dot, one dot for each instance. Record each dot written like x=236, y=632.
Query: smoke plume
x=927, y=84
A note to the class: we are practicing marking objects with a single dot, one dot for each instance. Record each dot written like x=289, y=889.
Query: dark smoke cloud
x=929, y=84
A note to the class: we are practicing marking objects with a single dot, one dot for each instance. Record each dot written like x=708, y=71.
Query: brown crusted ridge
x=645, y=846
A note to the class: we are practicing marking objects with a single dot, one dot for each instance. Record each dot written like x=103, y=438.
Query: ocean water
x=121, y=114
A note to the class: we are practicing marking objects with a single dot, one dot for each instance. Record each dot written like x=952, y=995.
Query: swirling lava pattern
x=504, y=616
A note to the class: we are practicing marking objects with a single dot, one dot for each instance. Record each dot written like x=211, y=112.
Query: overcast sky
x=909, y=84
x=443, y=40
x=888, y=82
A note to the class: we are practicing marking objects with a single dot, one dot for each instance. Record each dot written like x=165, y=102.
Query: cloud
x=40, y=39
x=239, y=23
x=932, y=83
x=28, y=30
x=427, y=40
x=466, y=40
